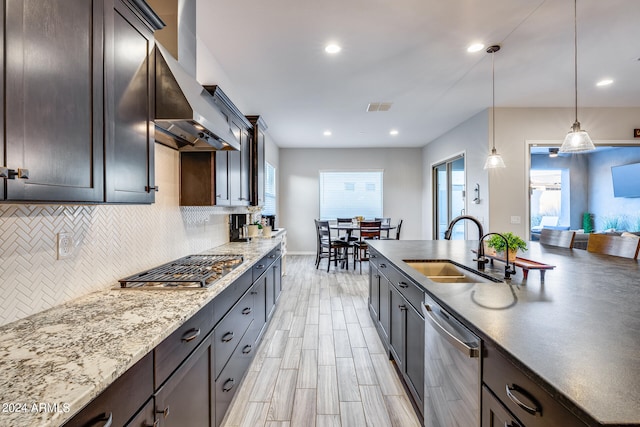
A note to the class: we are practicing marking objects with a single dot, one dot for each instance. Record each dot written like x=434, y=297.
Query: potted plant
x=499, y=245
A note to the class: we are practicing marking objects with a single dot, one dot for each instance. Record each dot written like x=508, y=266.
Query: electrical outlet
x=65, y=245
x=515, y=219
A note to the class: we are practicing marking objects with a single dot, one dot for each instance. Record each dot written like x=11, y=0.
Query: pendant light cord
x=493, y=98
x=575, y=52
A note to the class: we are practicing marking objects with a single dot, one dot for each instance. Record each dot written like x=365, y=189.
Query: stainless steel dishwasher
x=451, y=370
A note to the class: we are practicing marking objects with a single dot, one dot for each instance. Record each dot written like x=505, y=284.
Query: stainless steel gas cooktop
x=189, y=272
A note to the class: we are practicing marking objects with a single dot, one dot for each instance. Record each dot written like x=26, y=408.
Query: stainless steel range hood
x=186, y=116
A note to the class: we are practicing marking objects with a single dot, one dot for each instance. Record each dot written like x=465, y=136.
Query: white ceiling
x=413, y=53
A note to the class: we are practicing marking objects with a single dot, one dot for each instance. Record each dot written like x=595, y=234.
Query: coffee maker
x=237, y=227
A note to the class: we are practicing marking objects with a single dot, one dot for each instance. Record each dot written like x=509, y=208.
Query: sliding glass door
x=449, y=193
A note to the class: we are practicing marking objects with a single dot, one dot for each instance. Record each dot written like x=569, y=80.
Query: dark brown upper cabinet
x=54, y=103
x=77, y=101
x=219, y=177
x=257, y=159
x=130, y=88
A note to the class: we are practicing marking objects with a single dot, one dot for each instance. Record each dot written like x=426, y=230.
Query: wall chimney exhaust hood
x=186, y=116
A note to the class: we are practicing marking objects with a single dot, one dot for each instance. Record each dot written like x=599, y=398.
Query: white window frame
x=267, y=194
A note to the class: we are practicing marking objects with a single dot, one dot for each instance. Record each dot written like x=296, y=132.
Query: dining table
x=351, y=227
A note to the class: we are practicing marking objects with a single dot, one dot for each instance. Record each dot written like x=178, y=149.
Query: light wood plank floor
x=321, y=362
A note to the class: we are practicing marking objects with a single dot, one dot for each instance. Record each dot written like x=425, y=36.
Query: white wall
x=470, y=138
x=299, y=188
x=516, y=126
x=508, y=193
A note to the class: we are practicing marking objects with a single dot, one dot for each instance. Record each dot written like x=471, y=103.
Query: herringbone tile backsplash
x=110, y=242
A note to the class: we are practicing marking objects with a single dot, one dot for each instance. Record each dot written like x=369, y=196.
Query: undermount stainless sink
x=447, y=272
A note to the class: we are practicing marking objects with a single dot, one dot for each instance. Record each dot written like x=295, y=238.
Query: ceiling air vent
x=378, y=106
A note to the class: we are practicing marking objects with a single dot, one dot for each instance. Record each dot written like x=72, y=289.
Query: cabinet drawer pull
x=150, y=189
x=191, y=335
x=402, y=307
x=403, y=284
x=228, y=385
x=272, y=256
x=260, y=266
x=155, y=424
x=227, y=337
x=246, y=310
x=106, y=418
x=247, y=349
x=531, y=410
x=12, y=174
x=164, y=412
x=254, y=293
x=383, y=265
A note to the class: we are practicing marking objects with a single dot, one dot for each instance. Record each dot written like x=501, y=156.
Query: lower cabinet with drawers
x=190, y=378
x=394, y=305
x=511, y=398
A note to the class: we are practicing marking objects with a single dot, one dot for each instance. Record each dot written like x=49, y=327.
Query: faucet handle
x=508, y=271
x=481, y=260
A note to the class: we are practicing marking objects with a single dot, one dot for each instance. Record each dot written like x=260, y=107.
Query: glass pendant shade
x=577, y=141
x=494, y=161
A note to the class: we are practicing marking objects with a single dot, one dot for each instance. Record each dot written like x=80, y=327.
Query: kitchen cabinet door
x=414, y=353
x=188, y=396
x=130, y=91
x=54, y=104
x=270, y=282
x=396, y=326
x=239, y=166
x=494, y=414
x=374, y=292
x=258, y=142
x=222, y=178
x=277, y=278
x=385, y=307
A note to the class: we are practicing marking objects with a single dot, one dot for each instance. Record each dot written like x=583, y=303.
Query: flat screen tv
x=626, y=180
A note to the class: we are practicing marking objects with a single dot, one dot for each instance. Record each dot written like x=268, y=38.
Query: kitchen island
x=55, y=362
x=576, y=335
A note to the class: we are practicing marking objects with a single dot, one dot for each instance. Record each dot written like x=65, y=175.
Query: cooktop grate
x=191, y=271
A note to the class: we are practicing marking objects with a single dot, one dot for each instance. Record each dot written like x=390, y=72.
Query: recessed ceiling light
x=476, y=47
x=604, y=82
x=393, y=132
x=332, y=48
x=327, y=133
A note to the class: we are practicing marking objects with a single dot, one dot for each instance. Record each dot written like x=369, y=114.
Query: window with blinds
x=346, y=194
x=269, y=190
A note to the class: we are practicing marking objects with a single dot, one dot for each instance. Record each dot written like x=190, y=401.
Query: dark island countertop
x=577, y=334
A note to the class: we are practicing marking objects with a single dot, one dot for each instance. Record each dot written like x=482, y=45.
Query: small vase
x=489, y=251
x=512, y=255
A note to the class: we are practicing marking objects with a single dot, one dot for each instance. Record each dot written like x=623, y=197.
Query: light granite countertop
x=55, y=362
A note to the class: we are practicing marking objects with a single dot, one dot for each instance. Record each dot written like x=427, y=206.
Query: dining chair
x=369, y=230
x=559, y=238
x=397, y=236
x=333, y=249
x=346, y=234
x=626, y=247
x=384, y=221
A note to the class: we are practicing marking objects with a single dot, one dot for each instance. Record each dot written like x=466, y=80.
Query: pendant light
x=577, y=140
x=494, y=161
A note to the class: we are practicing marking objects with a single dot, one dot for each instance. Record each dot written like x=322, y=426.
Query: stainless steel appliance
x=237, y=229
x=189, y=272
x=271, y=220
x=451, y=370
